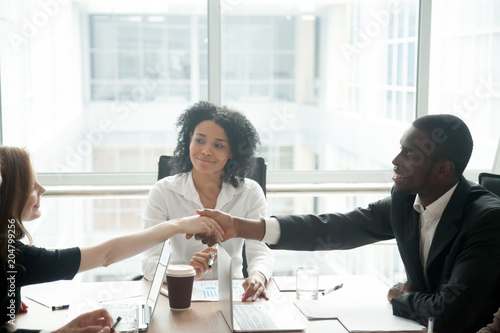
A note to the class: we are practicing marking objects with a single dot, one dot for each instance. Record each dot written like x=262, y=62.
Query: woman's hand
x=196, y=224
x=23, y=308
x=200, y=261
x=98, y=321
x=255, y=286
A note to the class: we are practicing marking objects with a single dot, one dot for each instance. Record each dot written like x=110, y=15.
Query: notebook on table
x=248, y=317
x=147, y=308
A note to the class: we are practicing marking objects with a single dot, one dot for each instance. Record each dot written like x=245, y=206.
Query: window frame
x=139, y=183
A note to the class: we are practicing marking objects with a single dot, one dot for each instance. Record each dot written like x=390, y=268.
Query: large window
x=127, y=50
x=322, y=77
x=464, y=74
x=258, y=58
x=96, y=87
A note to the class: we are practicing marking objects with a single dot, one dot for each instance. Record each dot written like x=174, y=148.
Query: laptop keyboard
x=251, y=317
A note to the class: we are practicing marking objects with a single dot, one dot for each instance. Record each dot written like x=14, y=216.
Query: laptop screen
x=160, y=272
x=225, y=285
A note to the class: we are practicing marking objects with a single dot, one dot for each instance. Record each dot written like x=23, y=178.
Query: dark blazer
x=462, y=288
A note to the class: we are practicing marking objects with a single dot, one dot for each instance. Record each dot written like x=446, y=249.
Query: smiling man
x=447, y=229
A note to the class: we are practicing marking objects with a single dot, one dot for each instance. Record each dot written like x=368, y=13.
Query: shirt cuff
x=273, y=231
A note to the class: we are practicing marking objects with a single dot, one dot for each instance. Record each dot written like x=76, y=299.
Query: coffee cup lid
x=180, y=270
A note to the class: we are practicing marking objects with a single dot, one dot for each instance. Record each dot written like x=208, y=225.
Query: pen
x=211, y=260
x=332, y=289
x=430, y=325
x=60, y=307
x=115, y=324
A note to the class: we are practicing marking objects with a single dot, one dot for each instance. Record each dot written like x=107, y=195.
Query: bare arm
x=123, y=247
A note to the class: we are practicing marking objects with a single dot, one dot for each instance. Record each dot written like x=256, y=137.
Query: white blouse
x=175, y=196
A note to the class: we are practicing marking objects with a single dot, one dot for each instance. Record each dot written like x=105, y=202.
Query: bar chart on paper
x=208, y=290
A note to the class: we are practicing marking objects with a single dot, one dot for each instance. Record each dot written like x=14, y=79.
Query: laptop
x=147, y=309
x=248, y=317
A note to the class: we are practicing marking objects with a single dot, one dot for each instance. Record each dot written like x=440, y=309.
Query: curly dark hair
x=242, y=135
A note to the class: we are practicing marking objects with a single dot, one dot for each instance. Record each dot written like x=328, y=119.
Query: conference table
x=201, y=317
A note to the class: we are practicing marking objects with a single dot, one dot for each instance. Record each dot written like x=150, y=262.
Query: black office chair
x=259, y=175
x=490, y=181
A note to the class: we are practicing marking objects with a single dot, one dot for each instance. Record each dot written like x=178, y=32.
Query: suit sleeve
x=336, y=231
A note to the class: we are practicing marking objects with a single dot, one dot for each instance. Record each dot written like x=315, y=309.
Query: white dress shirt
x=273, y=231
x=429, y=220
x=175, y=196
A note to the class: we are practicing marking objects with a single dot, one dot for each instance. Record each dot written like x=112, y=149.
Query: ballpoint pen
x=115, y=324
x=332, y=289
x=60, y=307
x=430, y=325
x=211, y=260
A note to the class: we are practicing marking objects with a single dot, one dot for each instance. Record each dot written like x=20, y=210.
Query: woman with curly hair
x=214, y=153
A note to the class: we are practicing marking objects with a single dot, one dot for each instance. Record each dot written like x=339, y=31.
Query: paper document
x=361, y=305
x=208, y=290
x=67, y=293
x=358, y=315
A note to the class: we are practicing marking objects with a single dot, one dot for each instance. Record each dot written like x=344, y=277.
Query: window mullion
x=423, y=57
x=214, y=51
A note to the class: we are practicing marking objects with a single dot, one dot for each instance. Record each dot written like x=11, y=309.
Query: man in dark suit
x=447, y=229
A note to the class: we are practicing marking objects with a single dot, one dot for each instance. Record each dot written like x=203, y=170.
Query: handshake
x=228, y=227
x=224, y=230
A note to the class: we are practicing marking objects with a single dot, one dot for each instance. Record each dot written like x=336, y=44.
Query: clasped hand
x=400, y=289
x=223, y=221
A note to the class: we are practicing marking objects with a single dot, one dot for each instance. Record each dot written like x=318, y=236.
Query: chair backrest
x=490, y=181
x=163, y=167
x=259, y=172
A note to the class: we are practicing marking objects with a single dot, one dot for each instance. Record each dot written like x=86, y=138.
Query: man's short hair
x=451, y=136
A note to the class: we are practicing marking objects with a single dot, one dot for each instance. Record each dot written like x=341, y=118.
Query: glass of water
x=129, y=314
x=307, y=282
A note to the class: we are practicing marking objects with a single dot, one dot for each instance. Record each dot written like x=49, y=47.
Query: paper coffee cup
x=180, y=286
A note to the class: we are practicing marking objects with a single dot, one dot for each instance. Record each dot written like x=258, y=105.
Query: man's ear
x=446, y=168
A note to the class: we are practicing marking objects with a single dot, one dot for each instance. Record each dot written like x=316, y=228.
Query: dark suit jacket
x=462, y=288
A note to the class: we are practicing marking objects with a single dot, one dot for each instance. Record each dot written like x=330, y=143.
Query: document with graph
x=208, y=290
